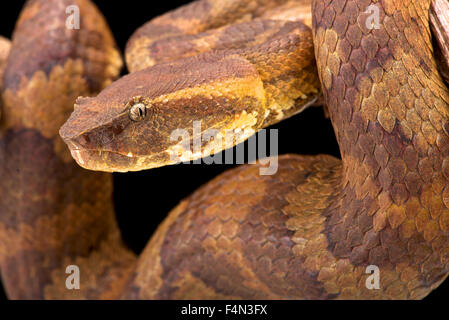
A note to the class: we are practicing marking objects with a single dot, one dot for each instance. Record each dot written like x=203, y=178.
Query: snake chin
x=111, y=161
x=95, y=160
x=115, y=161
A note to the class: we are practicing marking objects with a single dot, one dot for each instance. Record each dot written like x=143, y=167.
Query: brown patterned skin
x=245, y=236
x=52, y=212
x=310, y=230
x=201, y=26
x=388, y=106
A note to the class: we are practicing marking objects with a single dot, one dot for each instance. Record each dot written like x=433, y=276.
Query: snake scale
x=307, y=232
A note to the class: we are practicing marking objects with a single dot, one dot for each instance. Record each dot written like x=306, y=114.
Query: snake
x=310, y=231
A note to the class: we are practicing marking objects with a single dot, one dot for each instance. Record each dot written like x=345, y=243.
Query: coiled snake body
x=309, y=231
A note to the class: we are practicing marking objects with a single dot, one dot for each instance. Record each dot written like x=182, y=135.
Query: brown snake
x=307, y=232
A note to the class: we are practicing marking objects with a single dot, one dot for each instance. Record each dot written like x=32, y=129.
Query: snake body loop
x=308, y=232
x=388, y=106
x=52, y=213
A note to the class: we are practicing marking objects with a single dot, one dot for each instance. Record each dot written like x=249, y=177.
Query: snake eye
x=138, y=112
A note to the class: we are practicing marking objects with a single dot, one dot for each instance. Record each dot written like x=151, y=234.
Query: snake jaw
x=230, y=96
x=90, y=154
x=103, y=159
x=76, y=154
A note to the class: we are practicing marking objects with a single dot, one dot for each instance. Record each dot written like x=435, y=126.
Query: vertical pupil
x=138, y=112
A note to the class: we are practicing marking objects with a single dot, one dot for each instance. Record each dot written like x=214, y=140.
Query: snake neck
x=388, y=106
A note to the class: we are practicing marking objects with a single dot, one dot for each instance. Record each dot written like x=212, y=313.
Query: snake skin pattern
x=388, y=106
x=307, y=232
x=52, y=212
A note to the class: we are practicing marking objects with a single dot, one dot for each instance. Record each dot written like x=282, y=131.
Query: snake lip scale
x=310, y=231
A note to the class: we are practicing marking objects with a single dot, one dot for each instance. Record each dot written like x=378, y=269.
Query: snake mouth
x=113, y=161
x=102, y=160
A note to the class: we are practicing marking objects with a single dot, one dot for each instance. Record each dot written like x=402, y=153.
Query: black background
x=159, y=190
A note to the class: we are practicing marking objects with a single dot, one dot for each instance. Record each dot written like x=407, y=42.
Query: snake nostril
x=84, y=139
x=80, y=142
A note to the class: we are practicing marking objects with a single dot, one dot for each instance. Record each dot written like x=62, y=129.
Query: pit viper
x=310, y=231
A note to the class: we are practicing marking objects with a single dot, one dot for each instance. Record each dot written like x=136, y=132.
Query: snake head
x=135, y=123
